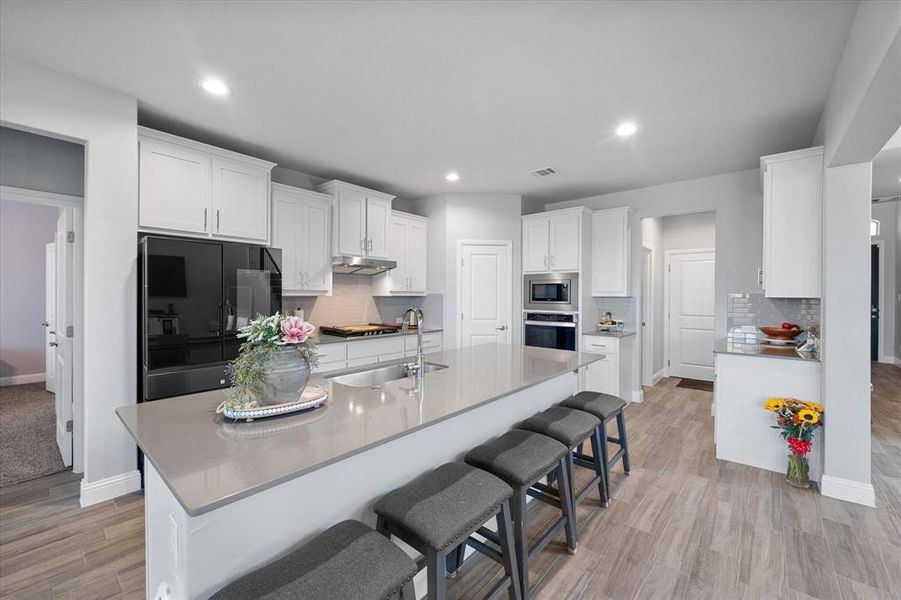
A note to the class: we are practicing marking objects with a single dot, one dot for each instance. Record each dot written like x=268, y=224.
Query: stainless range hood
x=359, y=265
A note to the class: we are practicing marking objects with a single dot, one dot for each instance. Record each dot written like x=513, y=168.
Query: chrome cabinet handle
x=204, y=219
x=45, y=324
x=362, y=245
x=217, y=220
x=369, y=246
x=53, y=344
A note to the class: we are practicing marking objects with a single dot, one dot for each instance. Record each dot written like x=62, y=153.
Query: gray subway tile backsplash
x=746, y=312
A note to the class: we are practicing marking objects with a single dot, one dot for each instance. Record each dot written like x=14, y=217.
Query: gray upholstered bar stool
x=521, y=458
x=605, y=407
x=347, y=560
x=572, y=428
x=440, y=510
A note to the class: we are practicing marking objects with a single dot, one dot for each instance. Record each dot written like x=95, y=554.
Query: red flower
x=799, y=447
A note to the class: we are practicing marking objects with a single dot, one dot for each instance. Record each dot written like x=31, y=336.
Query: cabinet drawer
x=330, y=353
x=431, y=342
x=374, y=348
x=599, y=345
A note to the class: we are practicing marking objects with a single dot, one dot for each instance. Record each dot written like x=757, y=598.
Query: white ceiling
x=395, y=94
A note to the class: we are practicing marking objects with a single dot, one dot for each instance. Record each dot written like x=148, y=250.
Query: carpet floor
x=27, y=434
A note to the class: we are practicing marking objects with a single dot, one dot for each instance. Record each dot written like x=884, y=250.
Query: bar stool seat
x=517, y=457
x=567, y=426
x=347, y=560
x=436, y=507
x=601, y=405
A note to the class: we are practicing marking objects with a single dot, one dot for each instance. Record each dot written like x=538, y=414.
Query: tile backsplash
x=352, y=302
x=622, y=308
x=746, y=312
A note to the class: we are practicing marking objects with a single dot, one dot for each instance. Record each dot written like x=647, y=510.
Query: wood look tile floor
x=683, y=525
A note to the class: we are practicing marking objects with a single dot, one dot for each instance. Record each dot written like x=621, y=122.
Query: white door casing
x=50, y=316
x=647, y=316
x=690, y=298
x=64, y=349
x=485, y=291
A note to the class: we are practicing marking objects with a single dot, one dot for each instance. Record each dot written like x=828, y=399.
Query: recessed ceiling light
x=215, y=86
x=626, y=128
x=452, y=176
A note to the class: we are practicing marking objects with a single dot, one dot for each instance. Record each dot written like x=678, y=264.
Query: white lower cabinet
x=431, y=342
x=359, y=353
x=611, y=374
x=331, y=356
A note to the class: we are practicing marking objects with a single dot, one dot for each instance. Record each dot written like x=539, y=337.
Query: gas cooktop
x=359, y=330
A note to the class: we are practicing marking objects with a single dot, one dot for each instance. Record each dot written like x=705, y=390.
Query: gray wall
x=737, y=202
x=24, y=231
x=42, y=163
x=296, y=178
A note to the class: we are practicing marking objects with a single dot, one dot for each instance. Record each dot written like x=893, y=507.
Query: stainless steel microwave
x=551, y=291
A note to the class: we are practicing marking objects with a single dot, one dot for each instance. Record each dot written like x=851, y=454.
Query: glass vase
x=798, y=472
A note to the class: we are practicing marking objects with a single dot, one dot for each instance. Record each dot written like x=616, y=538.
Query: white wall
x=25, y=230
x=106, y=123
x=37, y=162
x=887, y=215
x=469, y=216
x=652, y=238
x=737, y=202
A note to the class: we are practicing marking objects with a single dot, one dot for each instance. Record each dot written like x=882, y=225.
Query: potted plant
x=274, y=362
x=797, y=421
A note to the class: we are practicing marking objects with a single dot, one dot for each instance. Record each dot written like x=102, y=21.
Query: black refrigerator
x=193, y=297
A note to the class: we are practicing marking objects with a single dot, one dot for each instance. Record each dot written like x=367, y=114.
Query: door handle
x=53, y=344
x=45, y=324
x=501, y=328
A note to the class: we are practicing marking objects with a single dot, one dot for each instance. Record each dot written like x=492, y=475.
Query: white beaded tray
x=313, y=396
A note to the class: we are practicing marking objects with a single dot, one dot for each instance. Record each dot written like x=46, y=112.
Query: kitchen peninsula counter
x=223, y=498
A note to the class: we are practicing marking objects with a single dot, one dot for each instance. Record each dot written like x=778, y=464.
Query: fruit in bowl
x=787, y=331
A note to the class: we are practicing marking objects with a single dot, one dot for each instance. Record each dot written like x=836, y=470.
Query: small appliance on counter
x=348, y=331
x=608, y=324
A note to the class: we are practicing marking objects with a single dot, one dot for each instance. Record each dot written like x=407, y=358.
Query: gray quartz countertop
x=613, y=334
x=334, y=339
x=748, y=347
x=208, y=461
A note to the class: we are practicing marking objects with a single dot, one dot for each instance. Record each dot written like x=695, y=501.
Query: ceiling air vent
x=545, y=172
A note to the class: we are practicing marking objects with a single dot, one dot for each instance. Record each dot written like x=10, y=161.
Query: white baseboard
x=658, y=376
x=109, y=488
x=22, y=379
x=637, y=396
x=890, y=360
x=848, y=490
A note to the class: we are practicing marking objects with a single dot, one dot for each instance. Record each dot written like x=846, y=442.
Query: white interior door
x=485, y=288
x=62, y=342
x=691, y=299
x=647, y=309
x=50, y=316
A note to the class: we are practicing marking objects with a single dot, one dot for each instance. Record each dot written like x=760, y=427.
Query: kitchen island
x=223, y=498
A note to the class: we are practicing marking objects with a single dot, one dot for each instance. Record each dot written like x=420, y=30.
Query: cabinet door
x=316, y=245
x=397, y=251
x=565, y=242
x=351, y=223
x=610, y=253
x=417, y=241
x=286, y=226
x=602, y=376
x=240, y=200
x=793, y=247
x=174, y=188
x=535, y=244
x=378, y=220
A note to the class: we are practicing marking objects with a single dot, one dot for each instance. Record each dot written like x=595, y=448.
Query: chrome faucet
x=416, y=367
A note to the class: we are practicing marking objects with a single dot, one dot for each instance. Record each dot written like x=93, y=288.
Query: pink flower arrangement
x=296, y=330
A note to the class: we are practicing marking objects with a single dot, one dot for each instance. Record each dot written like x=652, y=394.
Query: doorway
x=485, y=291
x=690, y=313
x=876, y=293
x=647, y=316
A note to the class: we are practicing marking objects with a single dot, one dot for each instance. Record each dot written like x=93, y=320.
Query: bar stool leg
x=567, y=505
x=605, y=456
x=600, y=464
x=508, y=551
x=518, y=510
x=621, y=426
x=437, y=573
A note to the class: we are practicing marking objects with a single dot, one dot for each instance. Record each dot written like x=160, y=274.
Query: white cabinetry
x=552, y=241
x=793, y=224
x=407, y=245
x=611, y=232
x=361, y=221
x=360, y=352
x=194, y=189
x=300, y=227
x=612, y=374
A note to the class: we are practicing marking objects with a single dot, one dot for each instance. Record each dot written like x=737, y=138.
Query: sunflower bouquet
x=797, y=421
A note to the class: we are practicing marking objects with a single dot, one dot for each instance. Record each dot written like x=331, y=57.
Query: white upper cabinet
x=361, y=220
x=793, y=224
x=552, y=241
x=199, y=190
x=611, y=232
x=407, y=240
x=300, y=227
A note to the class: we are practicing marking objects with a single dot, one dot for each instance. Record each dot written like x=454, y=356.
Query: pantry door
x=486, y=286
x=690, y=300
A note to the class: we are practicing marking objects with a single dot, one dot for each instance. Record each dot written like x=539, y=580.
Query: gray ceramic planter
x=285, y=377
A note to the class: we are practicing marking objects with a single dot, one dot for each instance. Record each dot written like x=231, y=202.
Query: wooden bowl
x=779, y=333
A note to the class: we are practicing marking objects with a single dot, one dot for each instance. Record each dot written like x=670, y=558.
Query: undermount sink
x=380, y=375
